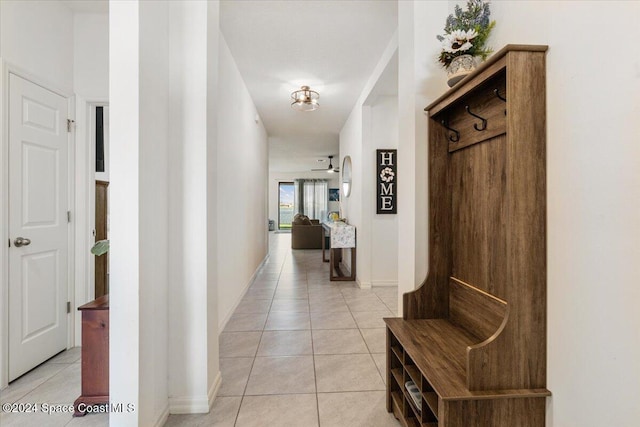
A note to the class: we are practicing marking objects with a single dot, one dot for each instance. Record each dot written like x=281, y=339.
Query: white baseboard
x=162, y=419
x=215, y=388
x=363, y=285
x=223, y=324
x=193, y=405
x=383, y=283
x=189, y=405
x=376, y=283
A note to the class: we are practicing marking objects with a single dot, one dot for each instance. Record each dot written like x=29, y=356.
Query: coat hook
x=482, y=126
x=454, y=136
x=501, y=98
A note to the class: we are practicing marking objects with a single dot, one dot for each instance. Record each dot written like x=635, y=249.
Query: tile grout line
x=301, y=266
x=26, y=393
x=244, y=391
x=313, y=355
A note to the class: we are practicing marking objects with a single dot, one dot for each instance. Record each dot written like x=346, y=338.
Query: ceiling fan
x=330, y=168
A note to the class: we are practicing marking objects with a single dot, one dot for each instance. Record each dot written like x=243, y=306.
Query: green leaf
x=101, y=247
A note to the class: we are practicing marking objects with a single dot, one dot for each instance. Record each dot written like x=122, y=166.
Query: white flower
x=458, y=40
x=387, y=175
x=464, y=35
x=456, y=47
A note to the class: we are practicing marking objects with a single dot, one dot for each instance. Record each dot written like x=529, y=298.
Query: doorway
x=100, y=125
x=38, y=224
x=285, y=205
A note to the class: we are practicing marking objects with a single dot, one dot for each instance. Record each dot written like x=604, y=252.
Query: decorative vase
x=459, y=68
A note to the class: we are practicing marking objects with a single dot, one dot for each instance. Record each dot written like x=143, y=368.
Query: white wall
x=384, y=228
x=371, y=126
x=351, y=138
x=359, y=138
x=124, y=296
x=419, y=82
x=593, y=197
x=91, y=59
x=36, y=41
x=159, y=86
x=193, y=359
x=37, y=36
x=91, y=87
x=276, y=177
x=164, y=112
x=242, y=187
x=154, y=121
x=187, y=211
x=213, y=107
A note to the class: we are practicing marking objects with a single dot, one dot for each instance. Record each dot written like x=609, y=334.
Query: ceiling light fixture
x=305, y=99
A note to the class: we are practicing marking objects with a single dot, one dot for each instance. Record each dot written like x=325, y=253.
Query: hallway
x=301, y=350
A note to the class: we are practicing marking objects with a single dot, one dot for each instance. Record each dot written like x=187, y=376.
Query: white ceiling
x=331, y=46
x=281, y=45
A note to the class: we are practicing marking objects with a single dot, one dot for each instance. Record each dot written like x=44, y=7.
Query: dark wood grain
x=335, y=271
x=101, y=303
x=487, y=69
x=431, y=299
x=102, y=261
x=95, y=354
x=479, y=217
x=517, y=358
x=478, y=312
x=474, y=333
x=484, y=103
x=438, y=349
x=519, y=412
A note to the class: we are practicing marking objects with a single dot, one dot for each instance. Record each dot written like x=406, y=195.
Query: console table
x=341, y=236
x=95, y=354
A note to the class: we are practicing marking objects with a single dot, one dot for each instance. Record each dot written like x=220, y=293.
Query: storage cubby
x=473, y=336
x=402, y=369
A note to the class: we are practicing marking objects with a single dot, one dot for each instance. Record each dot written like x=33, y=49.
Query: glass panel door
x=285, y=205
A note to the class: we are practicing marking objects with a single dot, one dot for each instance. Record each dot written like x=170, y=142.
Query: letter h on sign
x=387, y=181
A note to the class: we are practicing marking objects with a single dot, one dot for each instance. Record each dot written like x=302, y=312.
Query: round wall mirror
x=346, y=176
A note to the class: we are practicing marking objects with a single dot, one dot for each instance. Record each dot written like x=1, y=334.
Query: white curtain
x=311, y=197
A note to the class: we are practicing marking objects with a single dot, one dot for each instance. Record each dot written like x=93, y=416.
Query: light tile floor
x=298, y=350
x=56, y=382
x=317, y=360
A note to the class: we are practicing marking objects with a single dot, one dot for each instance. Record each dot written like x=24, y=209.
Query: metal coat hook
x=454, y=136
x=501, y=98
x=482, y=126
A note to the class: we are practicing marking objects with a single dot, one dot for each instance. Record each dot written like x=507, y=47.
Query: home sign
x=387, y=180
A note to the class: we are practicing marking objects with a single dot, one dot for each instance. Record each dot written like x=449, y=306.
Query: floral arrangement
x=467, y=32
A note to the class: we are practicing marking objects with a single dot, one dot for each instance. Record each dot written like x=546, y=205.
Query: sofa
x=306, y=233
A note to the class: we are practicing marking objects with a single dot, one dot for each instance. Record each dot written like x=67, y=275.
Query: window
x=312, y=196
x=285, y=205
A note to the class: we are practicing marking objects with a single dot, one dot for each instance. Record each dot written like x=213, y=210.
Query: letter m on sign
x=386, y=181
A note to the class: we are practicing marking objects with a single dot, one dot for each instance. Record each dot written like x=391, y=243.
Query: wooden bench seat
x=439, y=350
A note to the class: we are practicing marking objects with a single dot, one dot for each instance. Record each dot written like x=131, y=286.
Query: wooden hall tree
x=473, y=335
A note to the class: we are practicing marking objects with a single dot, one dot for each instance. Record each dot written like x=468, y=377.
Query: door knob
x=21, y=241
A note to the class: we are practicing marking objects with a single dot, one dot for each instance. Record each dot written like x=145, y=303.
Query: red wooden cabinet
x=95, y=355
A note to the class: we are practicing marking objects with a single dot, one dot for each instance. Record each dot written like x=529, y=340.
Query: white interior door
x=38, y=252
